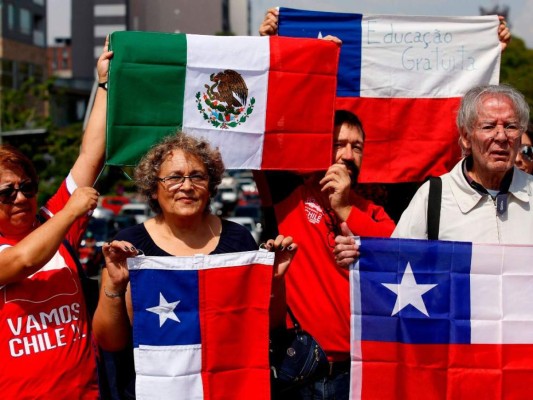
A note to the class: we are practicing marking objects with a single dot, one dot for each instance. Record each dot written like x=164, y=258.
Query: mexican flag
x=265, y=102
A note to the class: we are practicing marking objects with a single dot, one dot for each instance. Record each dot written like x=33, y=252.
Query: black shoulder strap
x=293, y=318
x=74, y=256
x=434, y=201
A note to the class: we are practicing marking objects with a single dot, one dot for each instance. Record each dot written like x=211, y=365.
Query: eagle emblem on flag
x=224, y=104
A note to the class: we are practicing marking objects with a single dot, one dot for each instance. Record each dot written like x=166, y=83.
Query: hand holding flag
x=116, y=253
x=285, y=251
x=346, y=249
x=269, y=26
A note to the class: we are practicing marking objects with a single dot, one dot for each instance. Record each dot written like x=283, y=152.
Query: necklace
x=212, y=233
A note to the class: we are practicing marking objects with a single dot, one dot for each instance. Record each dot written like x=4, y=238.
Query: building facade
x=22, y=41
x=92, y=20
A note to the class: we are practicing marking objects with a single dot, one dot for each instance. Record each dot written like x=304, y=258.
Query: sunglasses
x=9, y=194
x=527, y=152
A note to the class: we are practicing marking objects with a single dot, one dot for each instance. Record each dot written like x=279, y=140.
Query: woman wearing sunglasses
x=46, y=349
x=524, y=158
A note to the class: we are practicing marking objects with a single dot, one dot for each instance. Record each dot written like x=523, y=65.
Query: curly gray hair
x=147, y=171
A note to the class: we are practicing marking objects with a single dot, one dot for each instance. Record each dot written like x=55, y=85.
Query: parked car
x=141, y=211
x=99, y=231
x=228, y=194
x=249, y=224
x=252, y=210
x=249, y=197
x=102, y=213
x=114, y=203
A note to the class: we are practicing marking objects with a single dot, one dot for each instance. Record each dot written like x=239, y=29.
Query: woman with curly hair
x=178, y=177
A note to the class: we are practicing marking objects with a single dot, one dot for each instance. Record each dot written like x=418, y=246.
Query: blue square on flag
x=166, y=307
x=345, y=26
x=415, y=295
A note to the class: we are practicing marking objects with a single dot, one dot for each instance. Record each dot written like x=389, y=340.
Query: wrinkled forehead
x=496, y=105
x=182, y=161
x=347, y=133
x=12, y=174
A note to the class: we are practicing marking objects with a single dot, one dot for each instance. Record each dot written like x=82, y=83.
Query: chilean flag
x=200, y=325
x=441, y=320
x=404, y=77
x=266, y=103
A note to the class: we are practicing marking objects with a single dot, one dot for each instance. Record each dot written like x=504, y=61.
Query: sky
x=519, y=16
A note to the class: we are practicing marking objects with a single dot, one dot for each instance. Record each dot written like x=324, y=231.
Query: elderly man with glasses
x=485, y=198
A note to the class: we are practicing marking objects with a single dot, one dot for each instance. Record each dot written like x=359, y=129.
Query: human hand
x=285, y=250
x=115, y=254
x=336, y=185
x=83, y=200
x=333, y=39
x=504, y=34
x=102, y=65
x=269, y=26
x=346, y=251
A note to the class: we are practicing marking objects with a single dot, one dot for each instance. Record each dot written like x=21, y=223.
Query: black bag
x=295, y=357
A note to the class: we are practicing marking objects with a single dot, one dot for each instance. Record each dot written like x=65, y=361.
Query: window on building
x=23, y=73
x=11, y=17
x=38, y=73
x=53, y=58
x=38, y=31
x=7, y=73
x=25, y=21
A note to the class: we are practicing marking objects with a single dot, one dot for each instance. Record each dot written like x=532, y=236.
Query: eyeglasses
x=527, y=152
x=174, y=182
x=9, y=194
x=511, y=130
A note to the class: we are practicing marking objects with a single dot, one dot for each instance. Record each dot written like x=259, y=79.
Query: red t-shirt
x=317, y=290
x=46, y=350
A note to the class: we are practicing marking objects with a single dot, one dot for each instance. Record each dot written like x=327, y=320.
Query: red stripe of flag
x=299, y=77
x=417, y=146
x=234, y=304
x=466, y=371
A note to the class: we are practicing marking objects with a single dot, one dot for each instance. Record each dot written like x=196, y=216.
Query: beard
x=354, y=172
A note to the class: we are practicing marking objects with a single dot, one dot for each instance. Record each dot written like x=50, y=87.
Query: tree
x=23, y=108
x=517, y=68
x=54, y=152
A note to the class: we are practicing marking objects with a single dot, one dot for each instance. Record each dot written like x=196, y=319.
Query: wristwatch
x=103, y=85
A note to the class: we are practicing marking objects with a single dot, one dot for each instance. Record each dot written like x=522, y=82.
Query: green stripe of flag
x=147, y=68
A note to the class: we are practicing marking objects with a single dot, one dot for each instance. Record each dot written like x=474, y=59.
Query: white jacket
x=466, y=215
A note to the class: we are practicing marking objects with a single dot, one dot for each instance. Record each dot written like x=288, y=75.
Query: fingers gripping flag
x=441, y=320
x=266, y=103
x=200, y=325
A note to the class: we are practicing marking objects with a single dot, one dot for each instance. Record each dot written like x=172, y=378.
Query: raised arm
x=91, y=158
x=36, y=249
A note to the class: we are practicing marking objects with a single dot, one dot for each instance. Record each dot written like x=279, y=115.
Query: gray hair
x=147, y=171
x=468, y=110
